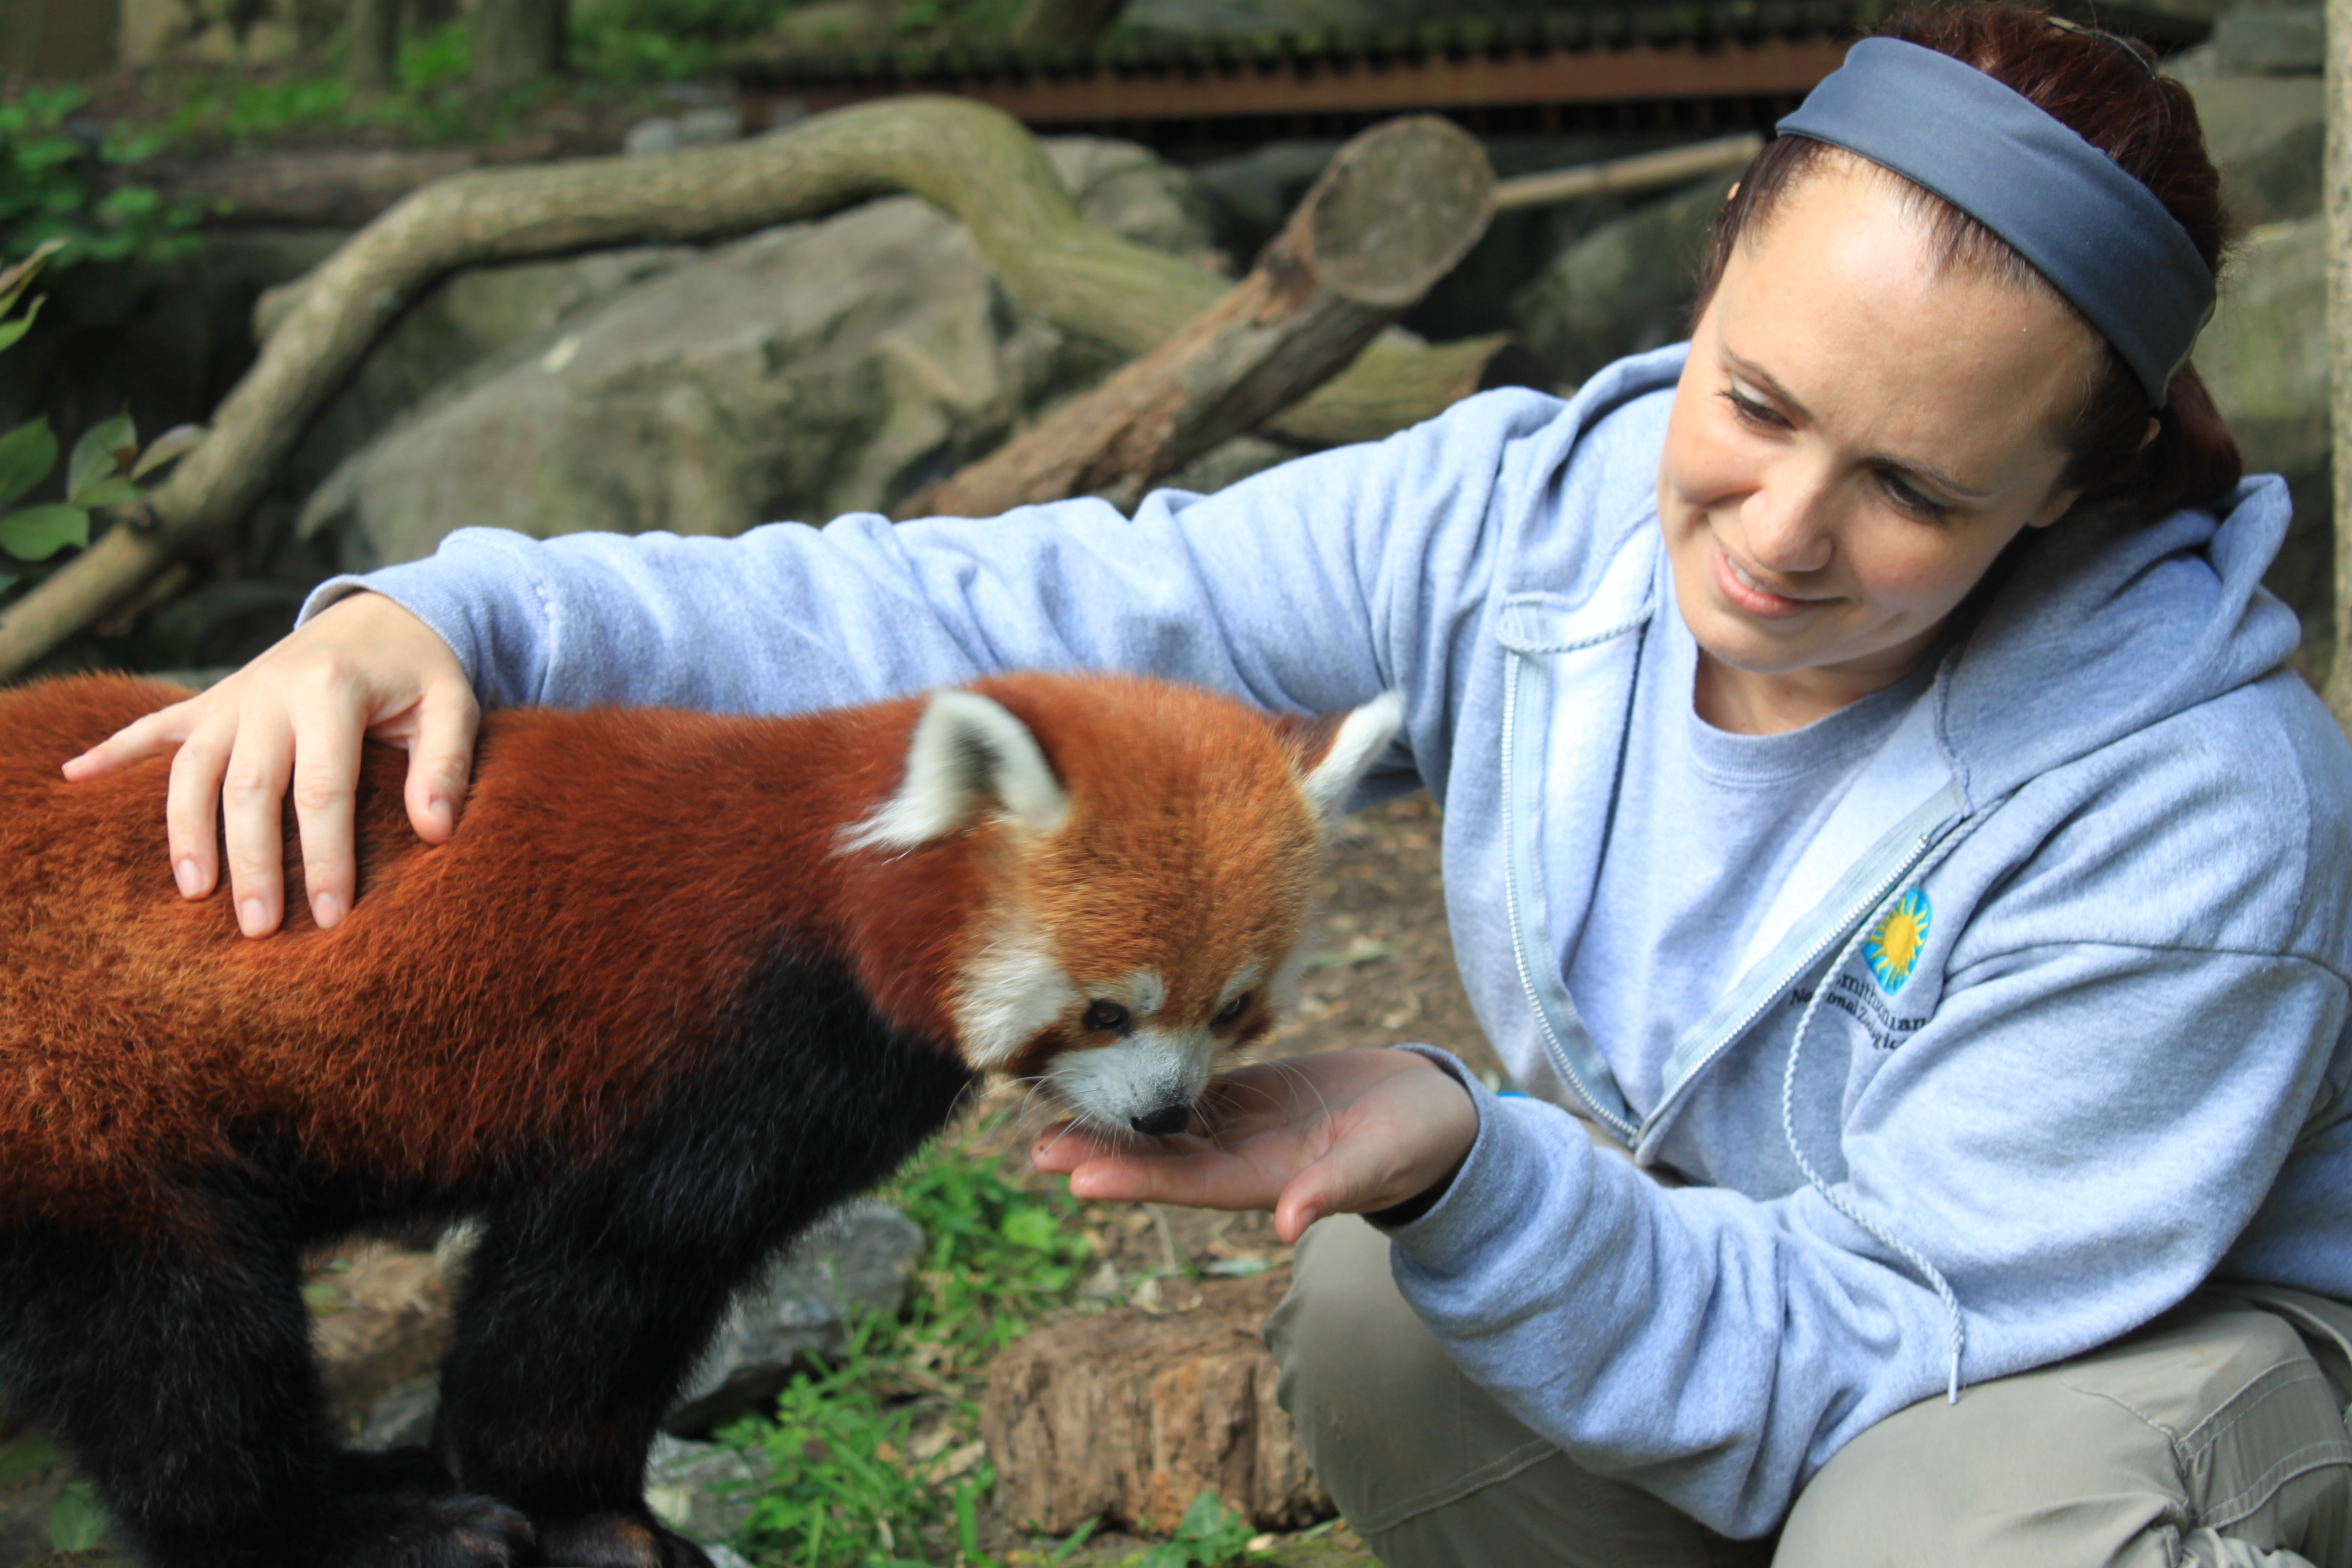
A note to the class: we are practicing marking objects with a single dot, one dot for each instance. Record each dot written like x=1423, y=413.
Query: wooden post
x=1393, y=213
x=373, y=59
x=2339, y=315
x=516, y=41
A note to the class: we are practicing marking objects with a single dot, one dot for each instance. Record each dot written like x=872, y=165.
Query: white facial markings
x=1147, y=993
x=1011, y=990
x=1139, y=1075
x=1243, y=981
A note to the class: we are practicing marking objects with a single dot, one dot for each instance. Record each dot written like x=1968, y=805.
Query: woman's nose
x=1787, y=522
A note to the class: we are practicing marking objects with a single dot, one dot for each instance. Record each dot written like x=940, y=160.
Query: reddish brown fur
x=637, y=863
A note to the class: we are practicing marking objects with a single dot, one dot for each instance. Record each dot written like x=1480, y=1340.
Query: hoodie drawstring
x=1956, y=1327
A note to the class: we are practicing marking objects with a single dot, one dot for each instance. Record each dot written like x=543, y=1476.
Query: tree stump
x=1127, y=1417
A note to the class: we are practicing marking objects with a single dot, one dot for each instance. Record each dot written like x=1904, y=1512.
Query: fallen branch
x=1641, y=172
x=973, y=161
x=1391, y=214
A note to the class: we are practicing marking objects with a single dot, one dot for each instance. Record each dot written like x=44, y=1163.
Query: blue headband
x=2101, y=237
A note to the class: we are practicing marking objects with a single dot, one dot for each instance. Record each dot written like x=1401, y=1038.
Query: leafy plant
x=847, y=1480
x=54, y=187
x=76, y=1520
x=997, y=1257
x=104, y=468
x=1209, y=1536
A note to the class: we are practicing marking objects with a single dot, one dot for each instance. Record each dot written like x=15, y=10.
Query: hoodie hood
x=2107, y=626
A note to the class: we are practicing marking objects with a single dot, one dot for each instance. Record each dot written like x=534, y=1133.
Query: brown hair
x=2106, y=90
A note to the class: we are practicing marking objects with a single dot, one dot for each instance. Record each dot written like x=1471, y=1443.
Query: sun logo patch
x=1894, y=944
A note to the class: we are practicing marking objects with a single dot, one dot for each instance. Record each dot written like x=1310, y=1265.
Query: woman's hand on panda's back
x=1337, y=1132
x=363, y=669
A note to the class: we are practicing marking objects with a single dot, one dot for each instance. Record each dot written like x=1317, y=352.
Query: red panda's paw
x=617, y=1541
x=431, y=1532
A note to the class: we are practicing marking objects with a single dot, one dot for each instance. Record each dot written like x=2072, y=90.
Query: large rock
x=1128, y=1417
x=1623, y=288
x=808, y=371
x=465, y=321
x=855, y=1263
x=2265, y=358
x=2267, y=135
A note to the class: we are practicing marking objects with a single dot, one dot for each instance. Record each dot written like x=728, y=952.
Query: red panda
x=678, y=984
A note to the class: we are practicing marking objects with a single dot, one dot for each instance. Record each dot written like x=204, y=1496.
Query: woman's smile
x=1745, y=591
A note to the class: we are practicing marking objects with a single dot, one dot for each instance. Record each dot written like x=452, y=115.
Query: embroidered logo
x=1895, y=942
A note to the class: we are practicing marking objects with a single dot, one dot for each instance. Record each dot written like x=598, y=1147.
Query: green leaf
x=323, y=1299
x=117, y=491
x=14, y=280
x=8, y=580
x=17, y=326
x=39, y=532
x=1033, y=1228
x=1165, y=1555
x=1203, y=1519
x=27, y=453
x=105, y=449
x=29, y=1455
x=176, y=442
x=75, y=1519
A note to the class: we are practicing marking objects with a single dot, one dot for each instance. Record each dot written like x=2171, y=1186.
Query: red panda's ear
x=1333, y=751
x=968, y=753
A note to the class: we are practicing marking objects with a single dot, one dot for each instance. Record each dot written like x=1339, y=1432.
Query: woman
x=1881, y=834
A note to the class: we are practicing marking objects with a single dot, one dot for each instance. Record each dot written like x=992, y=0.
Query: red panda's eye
x=1231, y=1011
x=1107, y=1017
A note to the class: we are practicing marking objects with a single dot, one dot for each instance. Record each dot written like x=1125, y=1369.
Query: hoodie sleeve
x=1312, y=586
x=2136, y=1024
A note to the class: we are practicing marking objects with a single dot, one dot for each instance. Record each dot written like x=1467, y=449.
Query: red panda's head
x=1148, y=853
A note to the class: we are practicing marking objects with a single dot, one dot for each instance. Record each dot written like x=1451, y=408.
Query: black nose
x=1167, y=1119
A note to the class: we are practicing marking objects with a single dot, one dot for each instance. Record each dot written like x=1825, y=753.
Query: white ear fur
x=1363, y=736
x=967, y=753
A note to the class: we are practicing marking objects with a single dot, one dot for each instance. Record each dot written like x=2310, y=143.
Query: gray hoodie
x=2047, y=1026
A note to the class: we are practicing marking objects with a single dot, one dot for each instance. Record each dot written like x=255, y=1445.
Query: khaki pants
x=2213, y=1437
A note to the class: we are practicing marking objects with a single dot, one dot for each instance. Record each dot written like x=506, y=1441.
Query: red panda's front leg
x=594, y=1290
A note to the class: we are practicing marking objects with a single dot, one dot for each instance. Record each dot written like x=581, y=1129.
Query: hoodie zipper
x=1858, y=911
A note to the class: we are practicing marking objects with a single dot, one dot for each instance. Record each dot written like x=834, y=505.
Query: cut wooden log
x=1128, y=1417
x=1392, y=213
x=973, y=161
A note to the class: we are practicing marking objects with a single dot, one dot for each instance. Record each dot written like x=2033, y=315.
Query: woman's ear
x=1333, y=751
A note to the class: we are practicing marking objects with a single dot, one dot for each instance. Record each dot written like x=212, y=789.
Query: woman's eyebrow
x=1748, y=370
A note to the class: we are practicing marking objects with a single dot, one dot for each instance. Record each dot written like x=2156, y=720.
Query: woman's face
x=1855, y=437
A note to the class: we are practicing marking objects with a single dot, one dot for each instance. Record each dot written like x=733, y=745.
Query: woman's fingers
x=191, y=810
x=441, y=758
x=151, y=736
x=253, y=790
x=325, y=766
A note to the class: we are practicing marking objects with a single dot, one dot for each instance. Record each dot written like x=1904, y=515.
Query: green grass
x=862, y=1459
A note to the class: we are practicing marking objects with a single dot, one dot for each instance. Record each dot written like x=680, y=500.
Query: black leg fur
x=593, y=1295
x=180, y=1379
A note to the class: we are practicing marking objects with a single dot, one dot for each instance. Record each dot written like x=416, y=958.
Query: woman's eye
x=1910, y=500
x=1105, y=1017
x=1231, y=1011
x=1751, y=412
